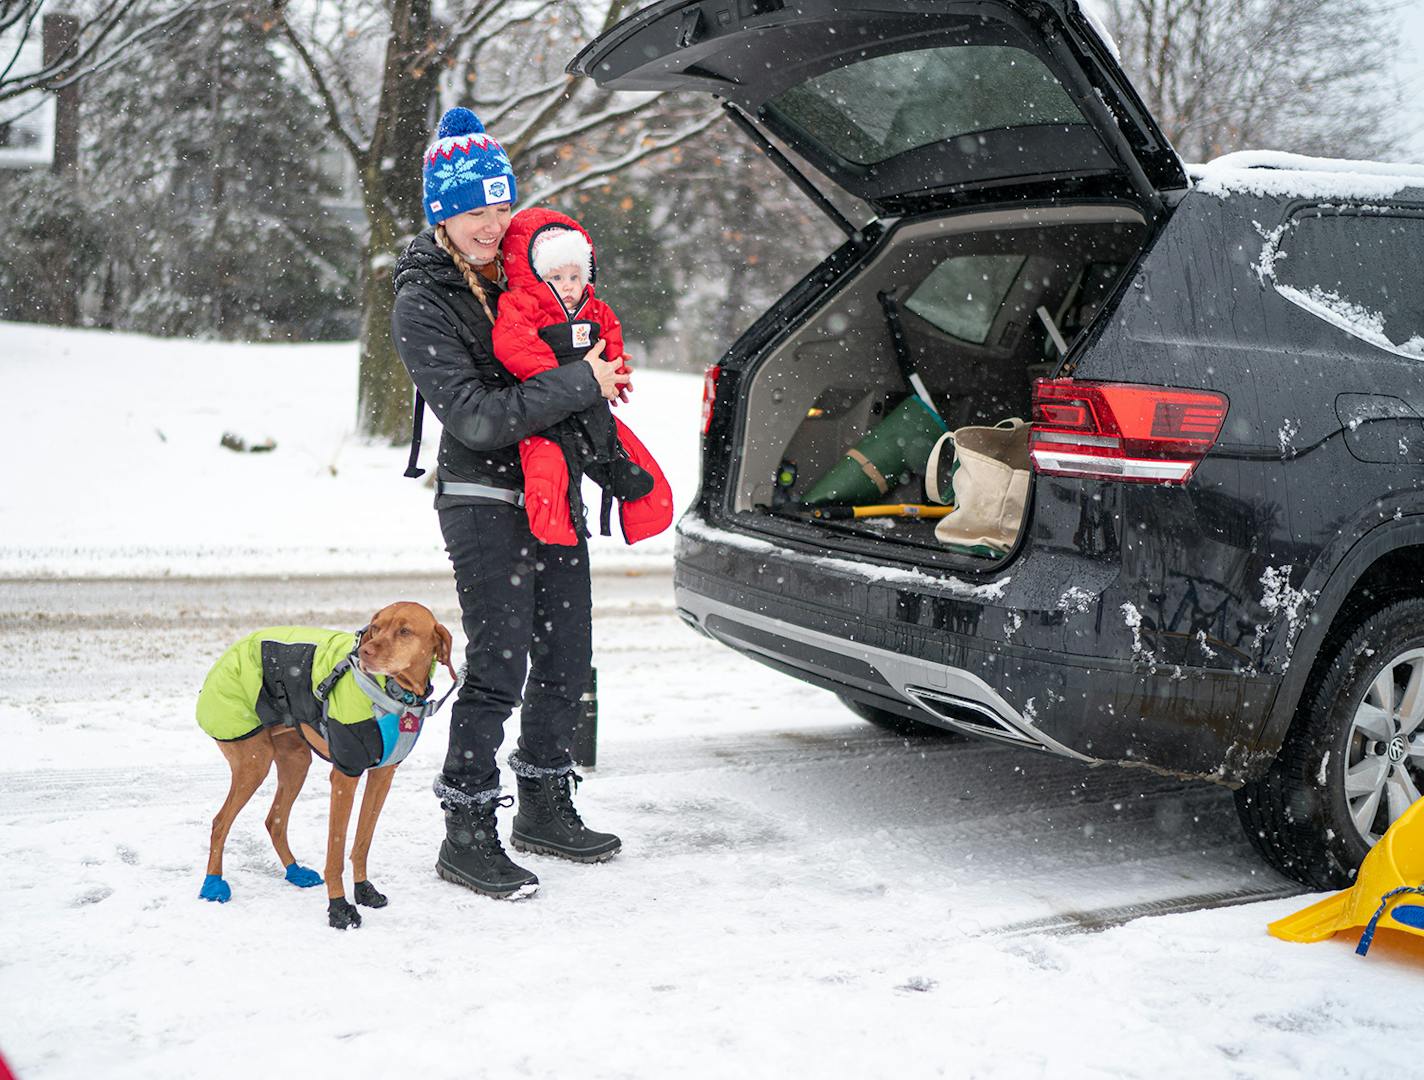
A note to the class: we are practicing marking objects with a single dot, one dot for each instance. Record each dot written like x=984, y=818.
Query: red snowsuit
x=534, y=333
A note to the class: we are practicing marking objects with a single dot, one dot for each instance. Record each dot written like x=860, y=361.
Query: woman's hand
x=610, y=380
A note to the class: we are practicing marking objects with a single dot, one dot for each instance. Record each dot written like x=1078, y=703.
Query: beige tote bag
x=986, y=480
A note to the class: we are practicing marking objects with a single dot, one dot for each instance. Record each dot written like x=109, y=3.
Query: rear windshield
x=869, y=111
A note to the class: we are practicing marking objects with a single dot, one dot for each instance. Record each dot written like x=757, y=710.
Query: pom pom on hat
x=459, y=121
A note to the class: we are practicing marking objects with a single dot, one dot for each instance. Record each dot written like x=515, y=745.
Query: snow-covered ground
x=798, y=893
x=113, y=463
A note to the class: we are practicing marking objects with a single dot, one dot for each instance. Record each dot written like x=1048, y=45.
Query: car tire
x=1311, y=815
x=897, y=724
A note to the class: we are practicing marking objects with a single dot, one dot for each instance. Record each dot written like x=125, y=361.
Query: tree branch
x=560, y=94
x=46, y=78
x=511, y=104
x=459, y=37
x=578, y=127
x=19, y=45
x=71, y=66
x=333, y=113
x=608, y=168
x=12, y=11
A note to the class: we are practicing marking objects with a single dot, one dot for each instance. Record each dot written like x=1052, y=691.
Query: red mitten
x=546, y=491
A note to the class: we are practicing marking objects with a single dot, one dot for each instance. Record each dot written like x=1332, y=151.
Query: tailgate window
x=872, y=110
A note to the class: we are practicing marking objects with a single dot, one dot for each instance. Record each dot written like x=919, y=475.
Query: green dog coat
x=289, y=676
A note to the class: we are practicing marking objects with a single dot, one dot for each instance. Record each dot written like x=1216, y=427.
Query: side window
x=1362, y=271
x=962, y=295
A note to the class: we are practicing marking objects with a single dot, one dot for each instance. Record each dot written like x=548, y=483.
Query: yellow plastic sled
x=1393, y=869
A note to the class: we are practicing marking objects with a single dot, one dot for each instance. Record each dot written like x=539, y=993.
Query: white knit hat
x=562, y=247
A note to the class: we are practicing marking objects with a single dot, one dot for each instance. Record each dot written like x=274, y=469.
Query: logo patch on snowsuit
x=582, y=334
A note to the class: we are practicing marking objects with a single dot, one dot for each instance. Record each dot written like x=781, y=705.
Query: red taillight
x=709, y=395
x=1118, y=431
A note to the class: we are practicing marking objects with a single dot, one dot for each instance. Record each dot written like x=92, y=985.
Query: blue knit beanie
x=464, y=168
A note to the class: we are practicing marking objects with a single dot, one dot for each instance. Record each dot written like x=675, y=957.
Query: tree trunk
x=394, y=210
x=384, y=391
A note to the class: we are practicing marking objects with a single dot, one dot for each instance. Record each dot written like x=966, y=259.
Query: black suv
x=1219, y=572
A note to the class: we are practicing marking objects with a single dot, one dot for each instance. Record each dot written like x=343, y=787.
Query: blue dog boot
x=302, y=877
x=215, y=888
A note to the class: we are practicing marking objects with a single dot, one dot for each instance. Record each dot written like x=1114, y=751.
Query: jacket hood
x=424, y=260
x=518, y=244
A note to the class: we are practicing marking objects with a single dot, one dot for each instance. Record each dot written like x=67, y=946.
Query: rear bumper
x=974, y=658
x=952, y=697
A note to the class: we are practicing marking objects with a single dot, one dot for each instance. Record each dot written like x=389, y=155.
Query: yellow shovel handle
x=902, y=510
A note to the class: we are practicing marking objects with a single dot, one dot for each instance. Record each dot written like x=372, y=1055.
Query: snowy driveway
x=798, y=891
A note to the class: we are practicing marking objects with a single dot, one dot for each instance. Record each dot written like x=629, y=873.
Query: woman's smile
x=477, y=232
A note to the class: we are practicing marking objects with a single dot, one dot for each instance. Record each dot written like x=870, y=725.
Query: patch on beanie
x=496, y=189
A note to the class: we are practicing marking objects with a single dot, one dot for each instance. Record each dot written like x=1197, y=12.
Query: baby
x=550, y=317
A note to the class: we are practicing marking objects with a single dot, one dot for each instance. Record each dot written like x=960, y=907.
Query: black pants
x=525, y=606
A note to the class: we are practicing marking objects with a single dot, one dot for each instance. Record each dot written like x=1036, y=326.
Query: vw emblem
x=1398, y=749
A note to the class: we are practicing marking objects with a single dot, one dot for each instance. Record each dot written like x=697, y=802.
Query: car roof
x=1273, y=172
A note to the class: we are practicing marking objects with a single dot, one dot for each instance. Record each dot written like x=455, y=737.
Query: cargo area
x=971, y=309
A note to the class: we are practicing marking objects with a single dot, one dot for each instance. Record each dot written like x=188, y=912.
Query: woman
x=523, y=604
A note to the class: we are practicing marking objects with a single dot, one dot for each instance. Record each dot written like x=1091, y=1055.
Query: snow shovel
x=1392, y=873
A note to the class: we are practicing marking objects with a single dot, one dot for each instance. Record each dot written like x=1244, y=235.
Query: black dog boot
x=340, y=915
x=548, y=824
x=367, y=895
x=472, y=855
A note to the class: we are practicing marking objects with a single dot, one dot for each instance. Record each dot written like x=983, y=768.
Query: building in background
x=27, y=121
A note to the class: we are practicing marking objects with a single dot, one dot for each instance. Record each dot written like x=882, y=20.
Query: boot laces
x=565, y=785
x=487, y=823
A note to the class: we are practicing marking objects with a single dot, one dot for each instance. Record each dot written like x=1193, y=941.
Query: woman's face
x=477, y=233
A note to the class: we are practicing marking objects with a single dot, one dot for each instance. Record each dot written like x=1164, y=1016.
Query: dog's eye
x=404, y=630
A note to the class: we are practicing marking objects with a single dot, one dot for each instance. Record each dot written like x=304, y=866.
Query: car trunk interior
x=985, y=303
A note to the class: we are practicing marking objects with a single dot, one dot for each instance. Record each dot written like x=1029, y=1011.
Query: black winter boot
x=472, y=855
x=548, y=824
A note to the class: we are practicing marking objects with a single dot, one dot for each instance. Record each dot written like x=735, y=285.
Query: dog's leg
x=378, y=786
x=339, y=913
x=250, y=759
x=293, y=757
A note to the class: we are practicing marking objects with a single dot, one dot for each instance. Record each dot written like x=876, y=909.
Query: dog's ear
x=442, y=648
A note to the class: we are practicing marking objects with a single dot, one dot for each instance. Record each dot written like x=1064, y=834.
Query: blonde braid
x=472, y=276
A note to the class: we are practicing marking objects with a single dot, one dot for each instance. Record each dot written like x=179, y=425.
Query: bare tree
x=381, y=69
x=1303, y=75
x=105, y=31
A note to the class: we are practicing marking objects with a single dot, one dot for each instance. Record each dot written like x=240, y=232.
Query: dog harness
x=266, y=681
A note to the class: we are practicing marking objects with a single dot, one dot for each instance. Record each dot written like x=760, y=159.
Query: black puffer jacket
x=443, y=338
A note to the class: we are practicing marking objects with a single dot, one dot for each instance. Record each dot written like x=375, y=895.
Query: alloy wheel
x=1384, y=767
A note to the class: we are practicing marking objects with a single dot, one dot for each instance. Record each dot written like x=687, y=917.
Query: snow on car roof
x=1274, y=172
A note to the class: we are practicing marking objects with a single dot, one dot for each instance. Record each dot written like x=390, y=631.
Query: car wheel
x=894, y=722
x=1353, y=760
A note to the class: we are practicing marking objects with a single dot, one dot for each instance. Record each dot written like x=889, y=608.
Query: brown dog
x=259, y=704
